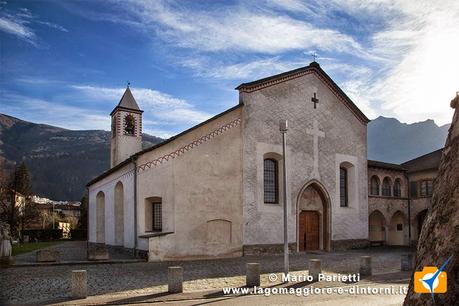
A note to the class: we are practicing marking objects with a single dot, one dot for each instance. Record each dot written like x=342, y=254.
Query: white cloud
x=53, y=25
x=241, y=71
x=49, y=112
x=16, y=28
x=422, y=50
x=157, y=105
x=19, y=23
x=238, y=28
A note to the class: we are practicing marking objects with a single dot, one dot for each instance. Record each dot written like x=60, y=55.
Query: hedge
x=43, y=234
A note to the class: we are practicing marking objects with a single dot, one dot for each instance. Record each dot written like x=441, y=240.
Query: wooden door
x=309, y=231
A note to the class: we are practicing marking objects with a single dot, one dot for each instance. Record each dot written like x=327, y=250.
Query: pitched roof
x=383, y=165
x=127, y=102
x=134, y=156
x=427, y=161
x=313, y=67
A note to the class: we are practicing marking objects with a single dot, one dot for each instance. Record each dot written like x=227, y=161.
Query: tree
x=16, y=206
x=83, y=222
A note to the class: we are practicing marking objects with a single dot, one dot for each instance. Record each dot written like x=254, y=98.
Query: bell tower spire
x=126, y=128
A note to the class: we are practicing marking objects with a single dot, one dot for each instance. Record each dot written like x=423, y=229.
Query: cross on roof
x=315, y=100
x=314, y=56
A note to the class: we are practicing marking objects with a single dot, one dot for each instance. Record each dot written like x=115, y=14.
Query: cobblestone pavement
x=69, y=251
x=20, y=285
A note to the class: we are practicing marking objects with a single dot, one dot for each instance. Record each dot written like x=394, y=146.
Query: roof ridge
x=313, y=67
x=424, y=155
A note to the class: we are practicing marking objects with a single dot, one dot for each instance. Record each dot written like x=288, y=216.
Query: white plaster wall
x=107, y=185
x=345, y=136
x=201, y=185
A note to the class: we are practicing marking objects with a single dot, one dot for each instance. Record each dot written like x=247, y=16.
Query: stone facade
x=201, y=193
x=396, y=219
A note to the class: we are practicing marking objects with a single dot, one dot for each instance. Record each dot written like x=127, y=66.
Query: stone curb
x=73, y=263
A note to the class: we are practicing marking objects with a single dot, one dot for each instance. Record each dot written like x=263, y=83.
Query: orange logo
x=430, y=280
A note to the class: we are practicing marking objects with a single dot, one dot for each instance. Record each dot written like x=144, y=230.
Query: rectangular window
x=429, y=188
x=271, y=181
x=343, y=188
x=157, y=220
x=399, y=227
x=426, y=188
x=414, y=189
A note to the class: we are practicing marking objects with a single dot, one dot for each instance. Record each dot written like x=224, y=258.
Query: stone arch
x=398, y=229
x=387, y=187
x=375, y=185
x=119, y=213
x=324, y=213
x=377, y=227
x=100, y=217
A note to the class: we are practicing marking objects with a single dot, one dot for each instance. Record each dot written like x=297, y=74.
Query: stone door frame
x=326, y=217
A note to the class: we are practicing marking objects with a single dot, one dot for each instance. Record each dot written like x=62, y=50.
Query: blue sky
x=66, y=63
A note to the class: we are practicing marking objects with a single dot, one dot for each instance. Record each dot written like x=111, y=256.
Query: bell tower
x=126, y=129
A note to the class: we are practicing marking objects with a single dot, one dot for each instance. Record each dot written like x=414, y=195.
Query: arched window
x=129, y=125
x=386, y=187
x=271, y=181
x=343, y=187
x=397, y=188
x=374, y=185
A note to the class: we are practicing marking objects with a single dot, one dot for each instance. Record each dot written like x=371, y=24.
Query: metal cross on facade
x=315, y=100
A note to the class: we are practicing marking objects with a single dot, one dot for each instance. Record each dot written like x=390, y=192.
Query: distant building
x=399, y=198
x=11, y=196
x=67, y=211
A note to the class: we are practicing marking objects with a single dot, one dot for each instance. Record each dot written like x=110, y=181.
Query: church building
x=215, y=190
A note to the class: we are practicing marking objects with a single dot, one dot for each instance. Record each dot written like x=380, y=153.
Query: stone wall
x=439, y=238
x=345, y=142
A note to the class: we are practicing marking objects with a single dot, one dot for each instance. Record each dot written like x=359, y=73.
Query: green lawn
x=29, y=247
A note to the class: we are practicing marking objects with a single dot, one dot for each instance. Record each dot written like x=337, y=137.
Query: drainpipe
x=134, y=161
x=409, y=209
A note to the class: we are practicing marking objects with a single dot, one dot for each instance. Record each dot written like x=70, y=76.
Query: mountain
x=60, y=161
x=391, y=141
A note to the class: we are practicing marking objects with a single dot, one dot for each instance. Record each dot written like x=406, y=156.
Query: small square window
x=399, y=227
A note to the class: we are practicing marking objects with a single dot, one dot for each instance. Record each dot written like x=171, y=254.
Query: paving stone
x=43, y=283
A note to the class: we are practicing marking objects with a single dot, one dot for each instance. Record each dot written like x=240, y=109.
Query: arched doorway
x=377, y=227
x=420, y=218
x=397, y=229
x=119, y=214
x=313, y=218
x=100, y=217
